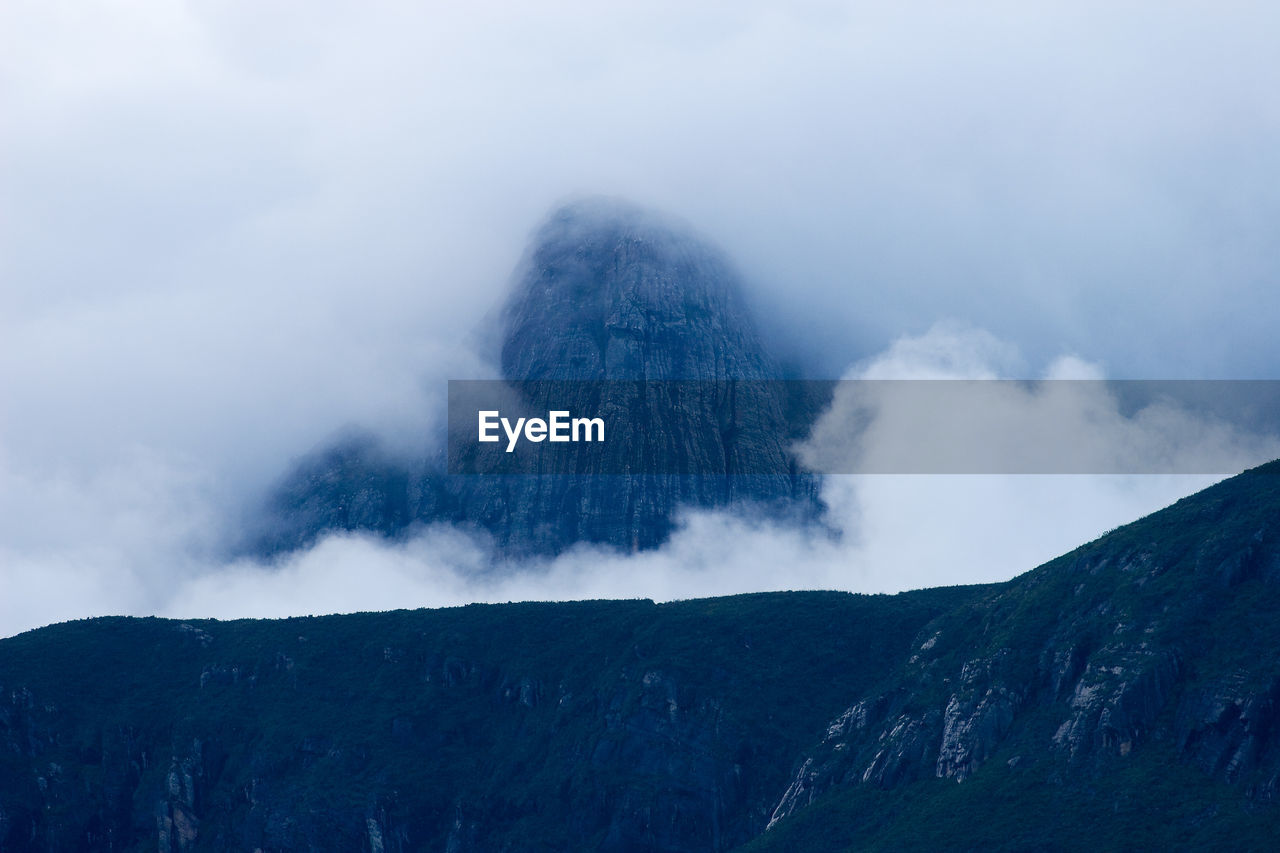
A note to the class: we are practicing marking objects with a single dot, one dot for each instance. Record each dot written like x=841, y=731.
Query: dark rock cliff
x=608, y=292
x=1157, y=641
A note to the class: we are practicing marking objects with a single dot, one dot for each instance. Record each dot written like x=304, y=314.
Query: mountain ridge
x=467, y=728
x=1135, y=676
x=1145, y=642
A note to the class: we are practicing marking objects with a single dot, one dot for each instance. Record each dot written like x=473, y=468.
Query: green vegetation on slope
x=519, y=726
x=1125, y=696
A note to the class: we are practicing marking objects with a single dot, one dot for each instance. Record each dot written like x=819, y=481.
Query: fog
x=229, y=230
x=143, y=538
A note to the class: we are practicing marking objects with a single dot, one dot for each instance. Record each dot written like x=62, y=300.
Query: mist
x=228, y=232
x=143, y=539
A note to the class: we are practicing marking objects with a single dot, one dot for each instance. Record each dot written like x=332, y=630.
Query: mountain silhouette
x=1123, y=696
x=607, y=292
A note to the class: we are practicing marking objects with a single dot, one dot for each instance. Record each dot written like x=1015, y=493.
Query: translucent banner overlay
x=782, y=427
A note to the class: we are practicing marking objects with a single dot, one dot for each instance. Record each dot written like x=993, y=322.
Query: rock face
x=614, y=292
x=1143, y=643
x=608, y=292
x=350, y=485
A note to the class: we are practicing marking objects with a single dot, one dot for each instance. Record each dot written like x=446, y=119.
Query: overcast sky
x=228, y=229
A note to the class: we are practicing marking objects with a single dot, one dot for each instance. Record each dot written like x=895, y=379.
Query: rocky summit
x=1123, y=696
x=611, y=291
x=607, y=291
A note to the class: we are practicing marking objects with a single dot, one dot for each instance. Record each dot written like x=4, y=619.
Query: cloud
x=916, y=410
x=228, y=230
x=139, y=540
x=895, y=532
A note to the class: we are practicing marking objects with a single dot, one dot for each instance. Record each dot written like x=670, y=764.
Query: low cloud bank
x=140, y=538
x=231, y=228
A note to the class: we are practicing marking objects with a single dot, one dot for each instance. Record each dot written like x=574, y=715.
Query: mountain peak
x=607, y=291
x=613, y=291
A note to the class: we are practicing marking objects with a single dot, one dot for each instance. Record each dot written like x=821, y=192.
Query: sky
x=228, y=230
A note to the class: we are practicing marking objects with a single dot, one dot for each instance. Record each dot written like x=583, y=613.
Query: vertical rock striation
x=1159, y=636
x=607, y=292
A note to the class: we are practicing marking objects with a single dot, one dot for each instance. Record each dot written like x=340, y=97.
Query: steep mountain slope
x=588, y=726
x=1136, y=679
x=1123, y=696
x=607, y=292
